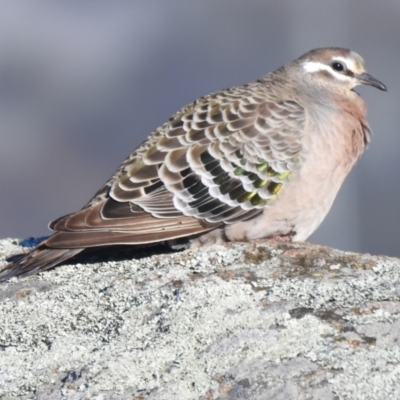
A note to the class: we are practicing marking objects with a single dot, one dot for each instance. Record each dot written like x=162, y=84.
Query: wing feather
x=218, y=161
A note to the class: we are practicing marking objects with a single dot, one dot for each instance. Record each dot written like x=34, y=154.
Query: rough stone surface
x=243, y=321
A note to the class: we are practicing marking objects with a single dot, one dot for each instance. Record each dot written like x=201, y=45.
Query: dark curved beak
x=367, y=79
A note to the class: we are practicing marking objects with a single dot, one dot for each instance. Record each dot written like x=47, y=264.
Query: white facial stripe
x=314, y=66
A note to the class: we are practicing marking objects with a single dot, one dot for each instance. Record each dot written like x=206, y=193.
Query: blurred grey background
x=82, y=83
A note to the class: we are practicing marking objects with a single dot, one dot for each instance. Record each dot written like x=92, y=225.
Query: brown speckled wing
x=218, y=161
x=222, y=160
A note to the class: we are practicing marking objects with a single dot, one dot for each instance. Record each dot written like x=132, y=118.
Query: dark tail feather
x=37, y=260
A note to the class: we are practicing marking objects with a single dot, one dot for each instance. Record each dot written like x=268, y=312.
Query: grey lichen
x=257, y=320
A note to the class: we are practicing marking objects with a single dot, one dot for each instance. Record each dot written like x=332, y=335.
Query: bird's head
x=335, y=69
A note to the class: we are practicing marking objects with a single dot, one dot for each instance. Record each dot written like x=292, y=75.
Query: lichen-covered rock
x=261, y=320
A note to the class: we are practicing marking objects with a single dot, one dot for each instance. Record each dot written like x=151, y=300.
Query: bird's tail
x=39, y=259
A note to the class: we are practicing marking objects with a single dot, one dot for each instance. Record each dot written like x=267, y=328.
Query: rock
x=263, y=320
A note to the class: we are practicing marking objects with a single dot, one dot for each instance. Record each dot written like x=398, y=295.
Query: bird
x=259, y=161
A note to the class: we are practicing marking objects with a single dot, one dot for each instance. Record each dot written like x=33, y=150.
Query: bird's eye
x=337, y=66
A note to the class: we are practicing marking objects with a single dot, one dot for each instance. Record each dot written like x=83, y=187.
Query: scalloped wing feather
x=220, y=160
x=223, y=159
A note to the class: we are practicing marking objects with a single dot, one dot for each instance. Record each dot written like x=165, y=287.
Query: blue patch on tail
x=32, y=241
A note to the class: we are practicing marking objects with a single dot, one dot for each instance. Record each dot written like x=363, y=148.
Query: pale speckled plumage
x=259, y=160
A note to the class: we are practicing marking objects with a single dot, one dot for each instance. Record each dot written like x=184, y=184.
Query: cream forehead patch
x=354, y=63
